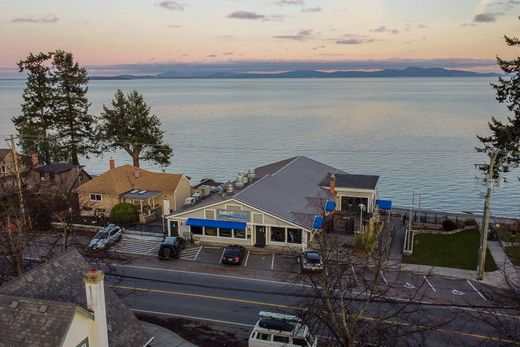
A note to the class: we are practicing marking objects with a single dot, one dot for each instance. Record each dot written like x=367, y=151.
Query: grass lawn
x=458, y=251
x=514, y=254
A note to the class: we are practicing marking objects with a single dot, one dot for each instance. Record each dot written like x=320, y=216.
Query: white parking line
x=200, y=249
x=429, y=284
x=247, y=258
x=222, y=256
x=353, y=272
x=472, y=286
x=383, y=276
x=272, y=263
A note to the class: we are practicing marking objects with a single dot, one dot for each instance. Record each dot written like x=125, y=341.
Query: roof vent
x=229, y=188
x=43, y=308
x=251, y=174
x=14, y=305
x=56, y=264
x=29, y=278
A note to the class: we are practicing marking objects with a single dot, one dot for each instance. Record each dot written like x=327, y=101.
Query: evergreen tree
x=505, y=135
x=129, y=125
x=37, y=120
x=70, y=108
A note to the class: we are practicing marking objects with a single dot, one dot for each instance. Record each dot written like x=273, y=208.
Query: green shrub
x=449, y=225
x=124, y=214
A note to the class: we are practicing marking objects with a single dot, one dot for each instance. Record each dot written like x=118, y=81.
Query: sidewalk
x=164, y=337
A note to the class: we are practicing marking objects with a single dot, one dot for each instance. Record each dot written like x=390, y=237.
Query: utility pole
x=485, y=220
x=411, y=212
x=18, y=179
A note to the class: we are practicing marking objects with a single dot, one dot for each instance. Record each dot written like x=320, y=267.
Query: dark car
x=233, y=255
x=171, y=247
x=310, y=261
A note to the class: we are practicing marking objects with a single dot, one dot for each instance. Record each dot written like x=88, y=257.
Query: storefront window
x=208, y=231
x=224, y=232
x=240, y=234
x=294, y=235
x=277, y=234
x=196, y=230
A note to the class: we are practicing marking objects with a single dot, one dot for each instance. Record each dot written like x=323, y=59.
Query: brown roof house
x=55, y=178
x=63, y=302
x=150, y=192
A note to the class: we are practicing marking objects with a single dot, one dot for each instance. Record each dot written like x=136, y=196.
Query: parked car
x=233, y=254
x=276, y=329
x=171, y=247
x=310, y=261
x=106, y=236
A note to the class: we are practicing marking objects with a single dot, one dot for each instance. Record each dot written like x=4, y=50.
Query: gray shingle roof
x=33, y=322
x=55, y=168
x=353, y=181
x=292, y=192
x=61, y=279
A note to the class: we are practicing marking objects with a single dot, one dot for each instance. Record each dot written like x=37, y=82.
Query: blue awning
x=384, y=204
x=212, y=223
x=330, y=206
x=318, y=222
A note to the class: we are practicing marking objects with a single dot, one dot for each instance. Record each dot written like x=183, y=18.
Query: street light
x=361, y=208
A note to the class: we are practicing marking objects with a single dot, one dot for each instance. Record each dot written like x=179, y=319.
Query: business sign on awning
x=232, y=214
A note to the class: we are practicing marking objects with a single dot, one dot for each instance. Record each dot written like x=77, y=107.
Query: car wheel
x=166, y=252
x=120, y=237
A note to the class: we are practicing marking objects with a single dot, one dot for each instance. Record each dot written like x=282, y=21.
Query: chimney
x=136, y=172
x=112, y=164
x=34, y=159
x=332, y=184
x=95, y=289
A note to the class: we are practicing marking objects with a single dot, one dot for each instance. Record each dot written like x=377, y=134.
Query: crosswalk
x=151, y=247
x=136, y=246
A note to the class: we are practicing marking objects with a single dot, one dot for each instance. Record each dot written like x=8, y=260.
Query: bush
x=470, y=222
x=124, y=214
x=449, y=225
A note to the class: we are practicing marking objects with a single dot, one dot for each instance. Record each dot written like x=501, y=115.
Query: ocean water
x=416, y=133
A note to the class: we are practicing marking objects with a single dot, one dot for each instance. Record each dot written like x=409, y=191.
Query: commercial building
x=276, y=205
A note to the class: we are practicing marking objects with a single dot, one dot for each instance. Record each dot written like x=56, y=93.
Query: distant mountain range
x=392, y=73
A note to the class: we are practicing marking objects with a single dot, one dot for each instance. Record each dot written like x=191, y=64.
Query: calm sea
x=415, y=133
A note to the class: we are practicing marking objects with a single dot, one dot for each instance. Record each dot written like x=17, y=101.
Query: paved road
x=236, y=301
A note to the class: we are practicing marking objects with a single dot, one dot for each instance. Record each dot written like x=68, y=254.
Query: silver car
x=106, y=236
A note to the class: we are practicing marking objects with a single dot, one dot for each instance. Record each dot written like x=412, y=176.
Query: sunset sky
x=102, y=33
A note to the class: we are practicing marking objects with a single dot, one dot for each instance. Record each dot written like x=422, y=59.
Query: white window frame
x=226, y=206
x=96, y=194
x=253, y=217
x=214, y=213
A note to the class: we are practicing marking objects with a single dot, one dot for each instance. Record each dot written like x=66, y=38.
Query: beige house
x=151, y=192
x=7, y=167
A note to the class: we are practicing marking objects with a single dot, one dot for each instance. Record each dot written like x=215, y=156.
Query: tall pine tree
x=128, y=125
x=505, y=135
x=35, y=123
x=70, y=108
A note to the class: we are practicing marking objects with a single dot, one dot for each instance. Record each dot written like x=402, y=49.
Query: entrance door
x=260, y=236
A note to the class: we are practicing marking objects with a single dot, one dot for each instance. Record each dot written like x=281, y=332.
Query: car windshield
x=170, y=240
x=101, y=235
x=313, y=257
x=232, y=251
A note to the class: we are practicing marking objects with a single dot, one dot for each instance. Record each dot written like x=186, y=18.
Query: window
x=174, y=227
x=277, y=234
x=258, y=218
x=294, y=235
x=278, y=338
x=224, y=232
x=208, y=231
x=52, y=177
x=196, y=230
x=42, y=176
x=209, y=214
x=3, y=169
x=265, y=337
x=240, y=234
x=95, y=197
x=298, y=341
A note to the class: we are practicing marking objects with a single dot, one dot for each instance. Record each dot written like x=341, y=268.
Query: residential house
x=7, y=166
x=151, y=192
x=276, y=205
x=56, y=178
x=63, y=302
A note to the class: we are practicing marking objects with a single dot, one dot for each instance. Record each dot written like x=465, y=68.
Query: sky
x=113, y=35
